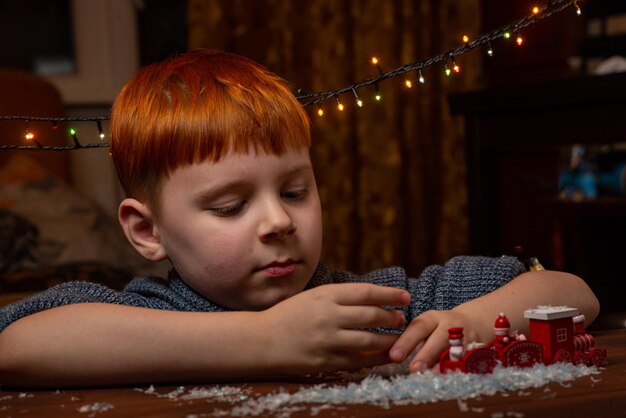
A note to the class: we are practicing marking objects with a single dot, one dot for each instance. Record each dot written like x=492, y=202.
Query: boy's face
x=245, y=232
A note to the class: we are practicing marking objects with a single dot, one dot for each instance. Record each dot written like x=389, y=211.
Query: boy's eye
x=295, y=194
x=229, y=210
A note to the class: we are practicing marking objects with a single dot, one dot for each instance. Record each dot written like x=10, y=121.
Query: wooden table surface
x=602, y=395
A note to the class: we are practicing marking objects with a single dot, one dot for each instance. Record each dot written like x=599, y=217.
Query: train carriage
x=557, y=334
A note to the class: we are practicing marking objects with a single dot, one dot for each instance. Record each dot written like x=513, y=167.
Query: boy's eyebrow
x=221, y=187
x=297, y=169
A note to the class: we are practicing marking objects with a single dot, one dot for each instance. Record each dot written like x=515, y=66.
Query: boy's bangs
x=230, y=123
x=204, y=119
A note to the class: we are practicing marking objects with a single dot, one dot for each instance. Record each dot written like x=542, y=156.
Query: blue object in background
x=582, y=182
x=578, y=182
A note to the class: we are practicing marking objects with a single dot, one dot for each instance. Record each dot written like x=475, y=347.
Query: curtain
x=391, y=174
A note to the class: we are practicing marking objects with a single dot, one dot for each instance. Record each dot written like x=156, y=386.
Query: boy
x=212, y=152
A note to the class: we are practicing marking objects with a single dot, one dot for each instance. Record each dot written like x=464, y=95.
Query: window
x=87, y=48
x=105, y=48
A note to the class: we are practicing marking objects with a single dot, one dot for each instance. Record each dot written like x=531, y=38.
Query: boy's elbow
x=561, y=288
x=589, y=305
x=583, y=297
x=594, y=308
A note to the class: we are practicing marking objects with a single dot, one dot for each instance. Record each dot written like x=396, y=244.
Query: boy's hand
x=429, y=333
x=323, y=329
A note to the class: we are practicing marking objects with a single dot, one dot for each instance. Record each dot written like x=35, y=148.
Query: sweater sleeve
x=65, y=294
x=461, y=279
x=144, y=292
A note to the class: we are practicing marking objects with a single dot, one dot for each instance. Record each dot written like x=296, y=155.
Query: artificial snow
x=216, y=393
x=96, y=407
x=383, y=387
x=410, y=389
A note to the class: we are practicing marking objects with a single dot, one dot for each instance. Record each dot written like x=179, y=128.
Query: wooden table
x=602, y=395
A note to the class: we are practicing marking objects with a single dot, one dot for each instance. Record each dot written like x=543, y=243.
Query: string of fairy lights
x=508, y=32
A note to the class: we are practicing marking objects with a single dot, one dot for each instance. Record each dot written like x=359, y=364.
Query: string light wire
x=552, y=7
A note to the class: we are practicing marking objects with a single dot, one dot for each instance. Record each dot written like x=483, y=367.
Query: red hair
x=199, y=106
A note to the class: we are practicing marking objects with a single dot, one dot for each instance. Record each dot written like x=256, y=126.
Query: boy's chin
x=266, y=302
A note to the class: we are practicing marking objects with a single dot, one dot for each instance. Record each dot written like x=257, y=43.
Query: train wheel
x=562, y=356
x=580, y=358
x=596, y=357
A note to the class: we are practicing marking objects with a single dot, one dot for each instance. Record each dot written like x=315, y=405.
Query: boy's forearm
x=317, y=330
x=100, y=344
x=527, y=291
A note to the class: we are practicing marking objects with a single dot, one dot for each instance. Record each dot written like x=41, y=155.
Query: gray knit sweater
x=438, y=287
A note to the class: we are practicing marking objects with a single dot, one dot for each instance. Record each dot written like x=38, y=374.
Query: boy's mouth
x=279, y=268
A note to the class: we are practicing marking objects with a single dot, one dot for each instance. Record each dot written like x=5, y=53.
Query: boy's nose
x=277, y=223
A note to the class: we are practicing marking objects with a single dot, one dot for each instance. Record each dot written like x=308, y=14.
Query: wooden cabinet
x=515, y=138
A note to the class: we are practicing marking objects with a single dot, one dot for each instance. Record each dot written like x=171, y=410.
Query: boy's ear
x=138, y=226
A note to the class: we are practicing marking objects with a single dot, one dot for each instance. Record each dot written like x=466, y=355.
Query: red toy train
x=557, y=334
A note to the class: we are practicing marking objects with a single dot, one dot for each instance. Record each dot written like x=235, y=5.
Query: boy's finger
x=370, y=294
x=430, y=352
x=364, y=341
x=369, y=317
x=418, y=330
